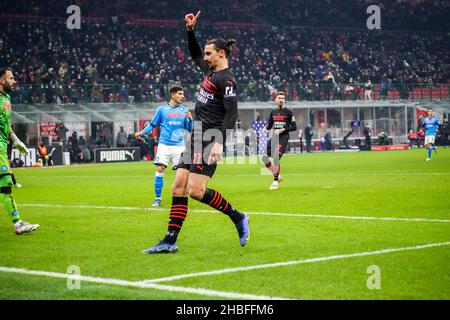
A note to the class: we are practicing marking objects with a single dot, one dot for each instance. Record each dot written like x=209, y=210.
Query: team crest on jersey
x=6, y=106
x=209, y=86
x=4, y=168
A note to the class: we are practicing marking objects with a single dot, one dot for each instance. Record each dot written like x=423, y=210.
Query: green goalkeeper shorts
x=5, y=170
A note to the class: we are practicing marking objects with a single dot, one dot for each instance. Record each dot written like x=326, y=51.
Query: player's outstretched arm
x=151, y=125
x=194, y=48
x=145, y=131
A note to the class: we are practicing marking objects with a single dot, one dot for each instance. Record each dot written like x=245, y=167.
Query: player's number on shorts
x=197, y=158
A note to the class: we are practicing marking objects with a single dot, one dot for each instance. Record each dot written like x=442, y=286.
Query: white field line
x=151, y=283
x=141, y=284
x=341, y=174
x=294, y=262
x=285, y=214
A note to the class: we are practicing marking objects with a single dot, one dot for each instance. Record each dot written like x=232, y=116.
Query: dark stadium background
x=321, y=53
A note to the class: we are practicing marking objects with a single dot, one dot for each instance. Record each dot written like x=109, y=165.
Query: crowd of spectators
x=419, y=15
x=111, y=59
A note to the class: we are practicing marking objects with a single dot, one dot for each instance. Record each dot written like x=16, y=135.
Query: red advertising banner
x=421, y=114
x=394, y=147
x=142, y=124
x=47, y=129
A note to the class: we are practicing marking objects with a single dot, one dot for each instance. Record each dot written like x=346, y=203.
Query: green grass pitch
x=83, y=225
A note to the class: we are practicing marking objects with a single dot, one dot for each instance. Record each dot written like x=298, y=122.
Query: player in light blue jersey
x=173, y=119
x=431, y=124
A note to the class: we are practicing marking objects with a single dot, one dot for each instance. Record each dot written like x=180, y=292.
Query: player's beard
x=7, y=88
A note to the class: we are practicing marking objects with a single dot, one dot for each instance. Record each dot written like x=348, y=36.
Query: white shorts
x=166, y=154
x=429, y=139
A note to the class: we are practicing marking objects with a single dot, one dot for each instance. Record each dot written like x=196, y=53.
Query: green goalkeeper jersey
x=5, y=171
x=5, y=117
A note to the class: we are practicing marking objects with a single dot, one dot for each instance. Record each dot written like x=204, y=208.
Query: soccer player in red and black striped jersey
x=215, y=112
x=282, y=121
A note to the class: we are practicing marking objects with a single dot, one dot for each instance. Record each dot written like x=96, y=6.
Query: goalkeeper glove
x=19, y=145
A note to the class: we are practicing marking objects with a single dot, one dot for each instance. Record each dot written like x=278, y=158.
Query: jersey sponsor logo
x=175, y=123
x=175, y=115
x=279, y=118
x=279, y=125
x=204, y=96
x=230, y=92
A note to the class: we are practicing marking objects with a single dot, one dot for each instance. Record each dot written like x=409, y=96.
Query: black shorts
x=281, y=147
x=196, y=159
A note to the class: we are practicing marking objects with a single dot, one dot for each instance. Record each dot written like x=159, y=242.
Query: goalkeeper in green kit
x=7, y=83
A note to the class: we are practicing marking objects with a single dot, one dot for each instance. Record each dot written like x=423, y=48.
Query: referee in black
x=216, y=110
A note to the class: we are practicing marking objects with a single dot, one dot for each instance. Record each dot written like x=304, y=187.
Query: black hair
x=175, y=89
x=3, y=71
x=220, y=43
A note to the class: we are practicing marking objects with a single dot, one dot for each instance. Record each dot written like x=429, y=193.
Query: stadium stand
x=129, y=52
